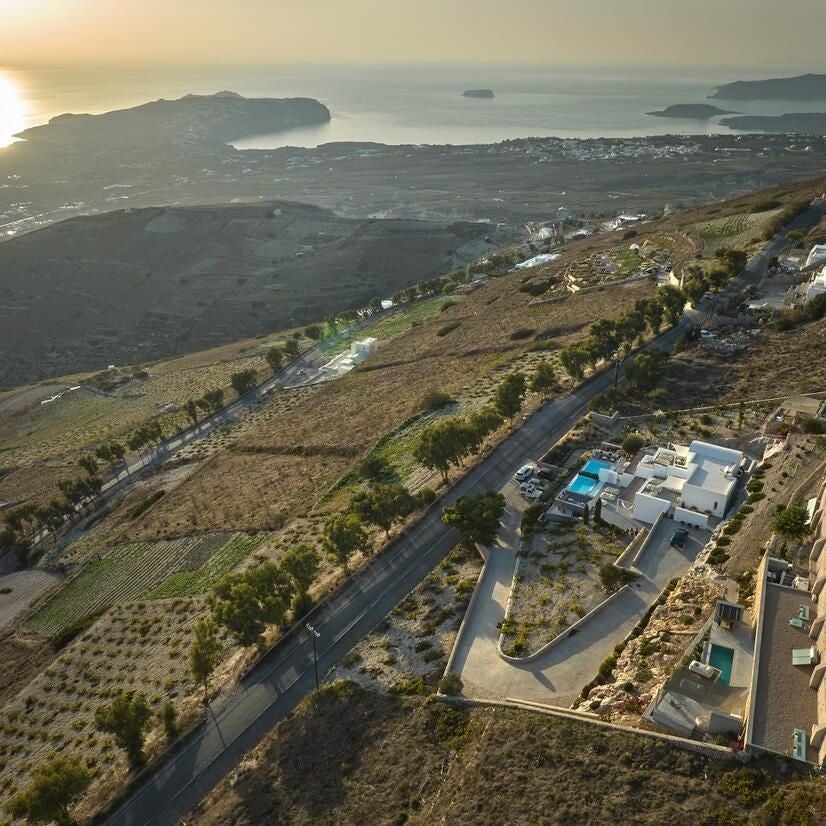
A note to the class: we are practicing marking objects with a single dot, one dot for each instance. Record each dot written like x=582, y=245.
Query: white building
x=361, y=350
x=817, y=286
x=689, y=483
x=817, y=255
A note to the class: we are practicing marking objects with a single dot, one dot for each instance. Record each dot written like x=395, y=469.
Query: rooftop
x=783, y=700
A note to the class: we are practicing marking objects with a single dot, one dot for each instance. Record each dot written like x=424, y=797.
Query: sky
x=608, y=32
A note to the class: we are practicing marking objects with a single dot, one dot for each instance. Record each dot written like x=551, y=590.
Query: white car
x=525, y=472
x=533, y=494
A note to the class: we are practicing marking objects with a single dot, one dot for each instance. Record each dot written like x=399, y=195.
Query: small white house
x=817, y=255
x=690, y=483
x=361, y=350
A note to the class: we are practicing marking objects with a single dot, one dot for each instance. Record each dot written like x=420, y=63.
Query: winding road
x=285, y=675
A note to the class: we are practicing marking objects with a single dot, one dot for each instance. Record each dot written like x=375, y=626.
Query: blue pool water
x=595, y=466
x=722, y=658
x=582, y=485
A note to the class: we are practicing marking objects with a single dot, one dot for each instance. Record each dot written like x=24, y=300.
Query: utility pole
x=314, y=635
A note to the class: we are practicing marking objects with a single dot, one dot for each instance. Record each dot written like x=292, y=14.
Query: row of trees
x=697, y=282
x=608, y=338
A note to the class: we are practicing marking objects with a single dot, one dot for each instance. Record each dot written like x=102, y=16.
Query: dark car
x=679, y=538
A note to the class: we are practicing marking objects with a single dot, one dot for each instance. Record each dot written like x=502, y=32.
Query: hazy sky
x=715, y=32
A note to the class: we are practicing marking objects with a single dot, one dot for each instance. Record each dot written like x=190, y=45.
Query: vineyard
x=127, y=572
x=732, y=231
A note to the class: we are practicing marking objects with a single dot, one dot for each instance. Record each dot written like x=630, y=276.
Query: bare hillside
x=144, y=284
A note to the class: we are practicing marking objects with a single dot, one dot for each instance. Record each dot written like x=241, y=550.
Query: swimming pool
x=583, y=485
x=594, y=466
x=722, y=658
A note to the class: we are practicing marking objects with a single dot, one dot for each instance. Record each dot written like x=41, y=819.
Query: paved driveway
x=556, y=678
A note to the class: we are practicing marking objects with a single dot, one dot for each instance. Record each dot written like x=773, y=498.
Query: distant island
x=693, y=111
x=802, y=87
x=809, y=123
x=485, y=94
x=204, y=119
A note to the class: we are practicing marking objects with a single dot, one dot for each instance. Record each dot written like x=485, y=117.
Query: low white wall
x=648, y=508
x=688, y=517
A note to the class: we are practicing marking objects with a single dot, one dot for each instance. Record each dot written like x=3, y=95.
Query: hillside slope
x=144, y=284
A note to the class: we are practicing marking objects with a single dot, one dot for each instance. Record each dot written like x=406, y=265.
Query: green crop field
x=128, y=572
x=402, y=320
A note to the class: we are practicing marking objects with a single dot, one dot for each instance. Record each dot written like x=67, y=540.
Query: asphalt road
x=285, y=676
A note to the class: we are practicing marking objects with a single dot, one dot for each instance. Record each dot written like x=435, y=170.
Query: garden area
x=558, y=581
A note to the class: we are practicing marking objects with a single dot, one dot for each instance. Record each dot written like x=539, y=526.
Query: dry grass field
x=373, y=758
x=282, y=467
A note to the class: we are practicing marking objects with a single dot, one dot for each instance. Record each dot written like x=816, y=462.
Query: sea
x=404, y=104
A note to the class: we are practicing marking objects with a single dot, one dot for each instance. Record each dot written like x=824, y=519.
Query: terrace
x=783, y=702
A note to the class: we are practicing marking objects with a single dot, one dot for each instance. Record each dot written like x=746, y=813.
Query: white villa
x=817, y=255
x=690, y=483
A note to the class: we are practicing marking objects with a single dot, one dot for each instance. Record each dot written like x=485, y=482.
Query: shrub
x=451, y=684
x=632, y=443
x=446, y=305
x=408, y=686
x=448, y=328
x=643, y=675
x=522, y=333
x=435, y=400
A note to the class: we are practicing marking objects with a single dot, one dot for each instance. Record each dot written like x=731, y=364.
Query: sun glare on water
x=12, y=111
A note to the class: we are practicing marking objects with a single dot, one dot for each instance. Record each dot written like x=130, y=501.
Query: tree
x=484, y=422
x=598, y=512
x=507, y=401
x=695, y=285
x=586, y=514
x=573, y=360
x=332, y=324
x=653, y=312
x=445, y=444
x=191, y=410
x=544, y=380
x=476, y=518
x=275, y=358
x=169, y=718
x=244, y=380
x=717, y=279
x=301, y=564
x=645, y=370
x=205, y=653
x=291, y=347
x=791, y=522
x=603, y=339
x=212, y=401
x=314, y=331
x=384, y=505
x=672, y=301
x=56, y=785
x=126, y=718
x=344, y=534
x=89, y=464
x=246, y=603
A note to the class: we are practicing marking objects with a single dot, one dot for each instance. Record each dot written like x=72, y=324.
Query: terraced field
x=127, y=572
x=731, y=231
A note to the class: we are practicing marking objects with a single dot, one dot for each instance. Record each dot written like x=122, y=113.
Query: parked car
x=533, y=494
x=679, y=539
x=525, y=472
